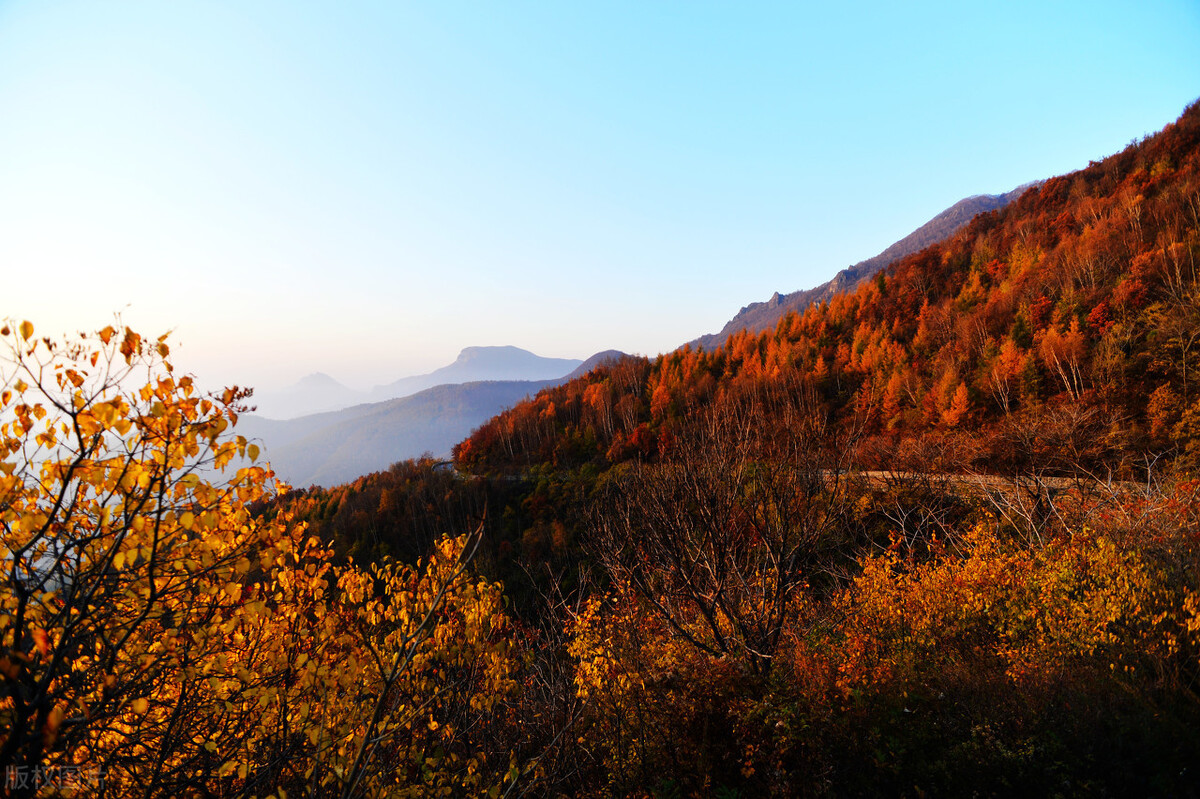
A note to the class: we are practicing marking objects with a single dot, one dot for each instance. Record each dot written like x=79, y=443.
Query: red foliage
x=1101, y=245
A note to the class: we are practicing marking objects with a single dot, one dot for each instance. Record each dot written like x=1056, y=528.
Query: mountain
x=759, y=316
x=1059, y=331
x=331, y=448
x=315, y=393
x=599, y=359
x=968, y=479
x=320, y=393
x=334, y=447
x=481, y=363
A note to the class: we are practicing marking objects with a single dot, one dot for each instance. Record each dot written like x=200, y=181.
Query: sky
x=365, y=188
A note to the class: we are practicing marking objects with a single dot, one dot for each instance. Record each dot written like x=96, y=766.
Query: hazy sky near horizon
x=365, y=188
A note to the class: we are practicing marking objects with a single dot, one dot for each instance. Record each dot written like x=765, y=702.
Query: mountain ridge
x=480, y=363
x=337, y=446
x=318, y=392
x=759, y=316
x=1069, y=303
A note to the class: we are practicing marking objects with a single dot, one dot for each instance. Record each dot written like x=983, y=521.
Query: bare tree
x=744, y=510
x=1055, y=453
x=918, y=487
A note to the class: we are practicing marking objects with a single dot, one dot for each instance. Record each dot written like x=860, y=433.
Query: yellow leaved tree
x=159, y=637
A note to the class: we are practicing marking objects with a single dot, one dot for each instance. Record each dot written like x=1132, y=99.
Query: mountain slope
x=1057, y=333
x=334, y=447
x=481, y=363
x=599, y=359
x=759, y=316
x=966, y=480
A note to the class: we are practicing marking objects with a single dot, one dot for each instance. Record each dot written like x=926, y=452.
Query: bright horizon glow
x=365, y=189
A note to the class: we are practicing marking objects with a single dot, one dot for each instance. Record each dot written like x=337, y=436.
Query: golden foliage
x=154, y=628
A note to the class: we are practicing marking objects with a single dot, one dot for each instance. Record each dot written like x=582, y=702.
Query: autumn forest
x=938, y=535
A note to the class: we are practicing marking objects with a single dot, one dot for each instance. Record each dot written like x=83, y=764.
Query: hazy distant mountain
x=760, y=316
x=319, y=393
x=481, y=363
x=312, y=394
x=331, y=448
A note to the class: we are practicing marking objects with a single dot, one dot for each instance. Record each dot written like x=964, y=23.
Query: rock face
x=759, y=316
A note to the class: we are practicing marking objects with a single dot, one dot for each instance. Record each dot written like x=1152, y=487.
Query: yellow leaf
x=140, y=705
x=26, y=329
x=252, y=451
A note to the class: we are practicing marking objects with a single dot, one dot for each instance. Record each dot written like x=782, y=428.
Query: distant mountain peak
x=329, y=448
x=505, y=351
x=313, y=393
x=317, y=379
x=493, y=362
x=472, y=352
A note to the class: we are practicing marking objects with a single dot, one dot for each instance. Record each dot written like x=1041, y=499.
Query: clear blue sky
x=364, y=188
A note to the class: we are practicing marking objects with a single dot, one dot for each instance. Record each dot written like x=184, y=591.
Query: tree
x=156, y=630
x=960, y=406
x=744, y=510
x=1176, y=321
x=1006, y=368
x=1062, y=352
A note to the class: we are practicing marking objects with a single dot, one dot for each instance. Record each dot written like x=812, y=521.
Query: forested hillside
x=1073, y=309
x=934, y=536
x=939, y=536
x=759, y=316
